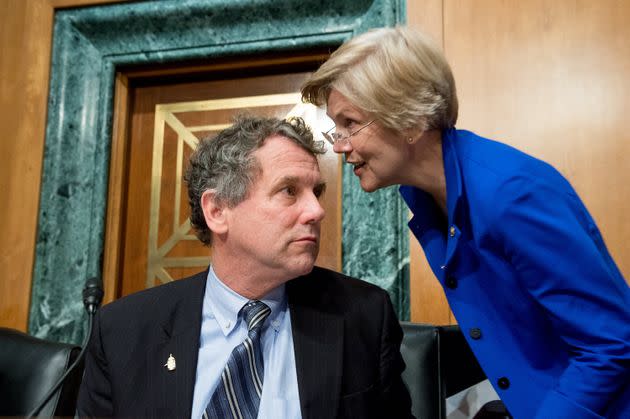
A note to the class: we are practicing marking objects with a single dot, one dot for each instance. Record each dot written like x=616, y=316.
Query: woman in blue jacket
x=523, y=265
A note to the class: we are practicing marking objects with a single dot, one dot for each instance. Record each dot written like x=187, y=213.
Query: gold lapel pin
x=170, y=363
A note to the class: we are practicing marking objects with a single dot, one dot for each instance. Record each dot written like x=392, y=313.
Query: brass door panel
x=166, y=123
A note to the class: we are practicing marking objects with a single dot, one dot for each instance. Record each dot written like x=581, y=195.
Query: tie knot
x=255, y=312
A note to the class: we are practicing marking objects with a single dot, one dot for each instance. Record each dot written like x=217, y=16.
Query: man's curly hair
x=226, y=164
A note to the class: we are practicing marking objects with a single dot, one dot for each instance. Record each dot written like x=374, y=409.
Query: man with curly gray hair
x=262, y=333
x=226, y=165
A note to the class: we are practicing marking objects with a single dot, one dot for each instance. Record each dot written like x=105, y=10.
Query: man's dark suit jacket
x=345, y=335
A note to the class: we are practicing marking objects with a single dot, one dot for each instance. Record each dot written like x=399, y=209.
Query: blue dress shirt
x=222, y=330
x=529, y=279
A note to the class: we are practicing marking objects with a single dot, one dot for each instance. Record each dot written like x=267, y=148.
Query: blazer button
x=451, y=231
x=451, y=282
x=504, y=383
x=475, y=333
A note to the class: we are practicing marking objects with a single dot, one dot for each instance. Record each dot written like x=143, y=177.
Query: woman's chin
x=369, y=185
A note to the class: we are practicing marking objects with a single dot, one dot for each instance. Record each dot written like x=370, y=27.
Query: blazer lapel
x=172, y=383
x=318, y=345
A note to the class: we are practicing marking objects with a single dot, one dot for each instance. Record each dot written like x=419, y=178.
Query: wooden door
x=167, y=119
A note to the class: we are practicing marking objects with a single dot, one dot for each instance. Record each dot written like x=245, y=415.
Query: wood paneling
x=428, y=302
x=25, y=28
x=25, y=45
x=59, y=4
x=426, y=15
x=115, y=191
x=550, y=78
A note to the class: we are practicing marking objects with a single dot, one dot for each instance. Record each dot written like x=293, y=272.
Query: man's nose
x=314, y=212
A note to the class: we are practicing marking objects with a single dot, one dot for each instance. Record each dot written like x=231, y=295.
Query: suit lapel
x=318, y=345
x=172, y=389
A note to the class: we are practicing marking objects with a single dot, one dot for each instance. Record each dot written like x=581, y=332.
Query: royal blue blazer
x=530, y=281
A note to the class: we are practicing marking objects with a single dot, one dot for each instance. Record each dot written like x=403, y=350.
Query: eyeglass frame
x=341, y=138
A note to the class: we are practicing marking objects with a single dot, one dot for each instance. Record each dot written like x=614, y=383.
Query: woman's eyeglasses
x=340, y=138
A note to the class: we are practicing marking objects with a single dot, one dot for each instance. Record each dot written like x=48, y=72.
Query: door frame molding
x=90, y=45
x=125, y=83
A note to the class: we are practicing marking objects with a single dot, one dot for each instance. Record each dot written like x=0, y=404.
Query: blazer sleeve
x=395, y=396
x=95, y=393
x=551, y=240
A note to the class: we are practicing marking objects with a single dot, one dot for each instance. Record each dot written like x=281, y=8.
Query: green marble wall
x=90, y=43
x=375, y=243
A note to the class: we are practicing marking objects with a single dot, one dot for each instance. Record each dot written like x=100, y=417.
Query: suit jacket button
x=475, y=333
x=451, y=282
x=451, y=231
x=504, y=383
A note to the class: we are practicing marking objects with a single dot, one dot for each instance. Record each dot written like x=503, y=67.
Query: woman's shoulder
x=496, y=176
x=493, y=163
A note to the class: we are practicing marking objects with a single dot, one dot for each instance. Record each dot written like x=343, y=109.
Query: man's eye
x=318, y=191
x=289, y=190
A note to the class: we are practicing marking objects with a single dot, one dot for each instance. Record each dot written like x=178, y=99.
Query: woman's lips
x=357, y=168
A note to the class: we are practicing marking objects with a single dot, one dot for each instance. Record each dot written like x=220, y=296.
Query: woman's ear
x=412, y=135
x=214, y=213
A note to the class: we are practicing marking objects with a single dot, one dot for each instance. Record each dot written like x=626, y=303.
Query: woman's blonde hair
x=398, y=75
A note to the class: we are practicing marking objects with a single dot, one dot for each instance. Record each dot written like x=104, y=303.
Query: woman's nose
x=342, y=147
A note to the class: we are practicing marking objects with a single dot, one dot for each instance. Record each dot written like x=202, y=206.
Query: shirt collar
x=421, y=203
x=224, y=304
x=451, y=171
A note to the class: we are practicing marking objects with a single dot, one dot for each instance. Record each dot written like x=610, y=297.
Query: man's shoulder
x=325, y=283
x=156, y=299
x=337, y=279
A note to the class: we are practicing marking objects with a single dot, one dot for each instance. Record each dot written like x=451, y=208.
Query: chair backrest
x=420, y=352
x=29, y=367
x=439, y=364
x=458, y=364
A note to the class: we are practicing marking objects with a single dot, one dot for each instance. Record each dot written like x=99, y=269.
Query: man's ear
x=214, y=213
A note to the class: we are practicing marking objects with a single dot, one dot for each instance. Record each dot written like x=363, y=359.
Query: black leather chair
x=439, y=365
x=29, y=367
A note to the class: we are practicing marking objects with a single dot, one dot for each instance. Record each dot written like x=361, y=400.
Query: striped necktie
x=238, y=392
